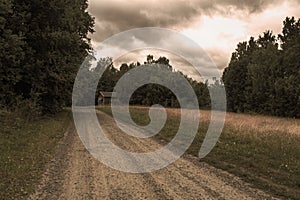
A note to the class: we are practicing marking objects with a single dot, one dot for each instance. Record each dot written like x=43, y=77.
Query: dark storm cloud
x=251, y=6
x=113, y=16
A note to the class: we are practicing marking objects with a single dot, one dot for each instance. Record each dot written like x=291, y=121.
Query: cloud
x=217, y=25
x=116, y=16
x=178, y=63
x=113, y=16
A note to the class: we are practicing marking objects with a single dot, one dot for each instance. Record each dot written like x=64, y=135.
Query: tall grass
x=262, y=150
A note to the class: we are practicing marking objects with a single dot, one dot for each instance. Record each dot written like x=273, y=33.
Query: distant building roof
x=106, y=94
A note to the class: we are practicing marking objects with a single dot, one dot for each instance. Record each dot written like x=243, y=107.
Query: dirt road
x=75, y=174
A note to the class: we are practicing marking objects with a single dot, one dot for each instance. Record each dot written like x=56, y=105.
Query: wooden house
x=104, y=98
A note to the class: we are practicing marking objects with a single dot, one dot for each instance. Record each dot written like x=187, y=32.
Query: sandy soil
x=75, y=174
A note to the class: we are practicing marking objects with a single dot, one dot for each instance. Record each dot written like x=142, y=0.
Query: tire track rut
x=75, y=174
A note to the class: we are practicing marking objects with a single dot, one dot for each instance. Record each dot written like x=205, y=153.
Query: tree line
x=146, y=95
x=263, y=75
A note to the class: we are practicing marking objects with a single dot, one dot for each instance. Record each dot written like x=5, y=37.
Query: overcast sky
x=216, y=25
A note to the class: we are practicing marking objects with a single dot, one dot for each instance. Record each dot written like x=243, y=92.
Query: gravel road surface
x=75, y=174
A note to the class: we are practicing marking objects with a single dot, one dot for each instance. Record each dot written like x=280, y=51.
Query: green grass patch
x=25, y=148
x=270, y=160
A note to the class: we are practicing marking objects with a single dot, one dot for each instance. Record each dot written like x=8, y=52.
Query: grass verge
x=264, y=151
x=25, y=148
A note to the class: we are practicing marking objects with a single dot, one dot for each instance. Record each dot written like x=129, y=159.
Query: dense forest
x=43, y=43
x=263, y=75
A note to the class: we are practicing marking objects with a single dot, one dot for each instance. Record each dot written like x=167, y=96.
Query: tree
x=235, y=77
x=263, y=76
x=289, y=95
x=149, y=59
x=11, y=54
x=164, y=61
x=124, y=68
x=55, y=42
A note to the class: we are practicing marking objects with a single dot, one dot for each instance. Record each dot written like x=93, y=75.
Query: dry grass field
x=262, y=150
x=252, y=123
